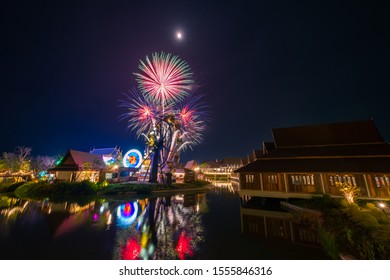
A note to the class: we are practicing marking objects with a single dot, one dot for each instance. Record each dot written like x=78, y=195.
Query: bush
x=63, y=190
x=328, y=242
x=10, y=187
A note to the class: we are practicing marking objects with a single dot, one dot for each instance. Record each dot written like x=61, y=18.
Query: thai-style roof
x=251, y=158
x=372, y=165
x=191, y=164
x=330, y=149
x=257, y=153
x=244, y=161
x=106, y=151
x=231, y=161
x=347, y=133
x=77, y=160
x=363, y=150
x=268, y=146
x=210, y=164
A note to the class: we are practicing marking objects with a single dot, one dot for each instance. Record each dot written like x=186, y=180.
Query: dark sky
x=260, y=65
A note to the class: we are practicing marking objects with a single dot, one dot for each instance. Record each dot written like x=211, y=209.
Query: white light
x=381, y=205
x=179, y=35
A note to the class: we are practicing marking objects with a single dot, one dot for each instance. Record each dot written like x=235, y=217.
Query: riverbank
x=360, y=230
x=65, y=190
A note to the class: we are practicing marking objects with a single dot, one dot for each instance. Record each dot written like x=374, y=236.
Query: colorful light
x=127, y=213
x=133, y=159
x=108, y=160
x=131, y=250
x=183, y=247
x=165, y=78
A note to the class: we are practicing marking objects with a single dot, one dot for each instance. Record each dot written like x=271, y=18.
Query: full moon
x=179, y=35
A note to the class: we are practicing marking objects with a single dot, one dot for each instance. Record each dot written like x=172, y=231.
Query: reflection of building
x=78, y=166
x=308, y=160
x=277, y=225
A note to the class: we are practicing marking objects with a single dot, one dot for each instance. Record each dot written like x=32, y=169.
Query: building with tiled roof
x=77, y=166
x=307, y=160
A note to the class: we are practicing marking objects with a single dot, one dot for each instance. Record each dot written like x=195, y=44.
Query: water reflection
x=218, y=224
x=163, y=228
x=265, y=218
x=149, y=228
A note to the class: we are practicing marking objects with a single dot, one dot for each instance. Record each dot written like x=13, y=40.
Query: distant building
x=78, y=166
x=222, y=169
x=184, y=175
x=192, y=165
x=109, y=155
x=307, y=160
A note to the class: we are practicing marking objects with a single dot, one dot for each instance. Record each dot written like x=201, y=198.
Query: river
x=216, y=224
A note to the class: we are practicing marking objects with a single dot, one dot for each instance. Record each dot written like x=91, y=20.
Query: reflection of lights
x=179, y=197
x=101, y=209
x=126, y=214
x=95, y=217
x=131, y=251
x=109, y=220
x=382, y=205
x=183, y=246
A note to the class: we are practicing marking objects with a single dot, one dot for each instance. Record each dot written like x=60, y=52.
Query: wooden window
x=346, y=179
x=382, y=181
x=249, y=178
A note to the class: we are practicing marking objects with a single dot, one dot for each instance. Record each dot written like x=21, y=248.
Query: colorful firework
x=165, y=79
x=141, y=114
x=193, y=117
x=165, y=110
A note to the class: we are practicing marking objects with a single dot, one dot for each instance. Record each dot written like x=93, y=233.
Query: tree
x=42, y=163
x=9, y=162
x=349, y=191
x=23, y=158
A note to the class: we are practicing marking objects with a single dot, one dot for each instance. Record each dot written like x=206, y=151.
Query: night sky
x=260, y=64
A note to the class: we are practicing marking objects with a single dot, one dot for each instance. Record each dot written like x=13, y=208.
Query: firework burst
x=164, y=79
x=141, y=114
x=193, y=117
x=165, y=110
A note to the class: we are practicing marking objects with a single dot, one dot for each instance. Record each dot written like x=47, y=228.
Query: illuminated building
x=223, y=169
x=109, y=155
x=78, y=166
x=307, y=160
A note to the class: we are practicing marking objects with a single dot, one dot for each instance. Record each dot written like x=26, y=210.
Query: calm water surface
x=213, y=225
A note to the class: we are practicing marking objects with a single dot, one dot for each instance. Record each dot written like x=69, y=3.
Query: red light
x=127, y=209
x=131, y=251
x=184, y=246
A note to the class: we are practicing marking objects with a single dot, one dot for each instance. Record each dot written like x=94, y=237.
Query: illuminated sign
x=133, y=158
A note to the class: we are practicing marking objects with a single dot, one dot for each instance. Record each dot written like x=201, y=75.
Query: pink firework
x=140, y=114
x=165, y=79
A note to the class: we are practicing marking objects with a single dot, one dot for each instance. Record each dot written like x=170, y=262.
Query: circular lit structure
x=127, y=213
x=133, y=158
